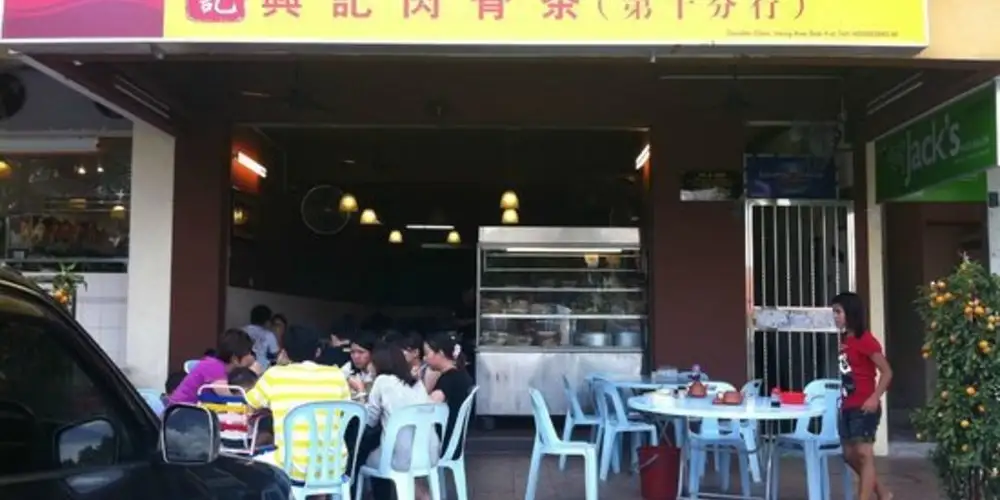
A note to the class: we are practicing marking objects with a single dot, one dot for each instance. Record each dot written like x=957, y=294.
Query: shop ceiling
x=387, y=92
x=456, y=156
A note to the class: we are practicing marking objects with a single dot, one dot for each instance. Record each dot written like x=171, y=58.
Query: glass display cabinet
x=555, y=302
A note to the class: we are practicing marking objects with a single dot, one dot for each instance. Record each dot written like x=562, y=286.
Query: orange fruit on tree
x=970, y=390
x=965, y=424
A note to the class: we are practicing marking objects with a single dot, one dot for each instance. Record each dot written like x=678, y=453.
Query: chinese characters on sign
x=216, y=11
x=350, y=8
x=272, y=7
x=229, y=11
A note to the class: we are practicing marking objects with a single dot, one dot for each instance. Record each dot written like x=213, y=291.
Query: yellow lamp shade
x=5, y=170
x=118, y=211
x=395, y=236
x=509, y=201
x=454, y=238
x=510, y=216
x=239, y=217
x=368, y=217
x=348, y=203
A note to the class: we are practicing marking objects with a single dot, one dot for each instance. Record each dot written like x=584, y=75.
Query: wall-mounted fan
x=320, y=210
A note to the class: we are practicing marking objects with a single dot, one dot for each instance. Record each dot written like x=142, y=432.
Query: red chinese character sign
x=216, y=11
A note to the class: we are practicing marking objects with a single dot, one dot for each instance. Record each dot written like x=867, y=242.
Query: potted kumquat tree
x=961, y=313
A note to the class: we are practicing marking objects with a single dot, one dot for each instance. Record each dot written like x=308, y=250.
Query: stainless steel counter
x=504, y=374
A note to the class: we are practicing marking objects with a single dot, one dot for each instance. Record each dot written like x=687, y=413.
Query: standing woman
x=865, y=375
x=443, y=353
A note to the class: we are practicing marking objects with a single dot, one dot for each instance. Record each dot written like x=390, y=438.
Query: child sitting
x=245, y=379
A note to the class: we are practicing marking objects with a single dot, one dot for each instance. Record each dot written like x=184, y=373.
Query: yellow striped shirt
x=282, y=388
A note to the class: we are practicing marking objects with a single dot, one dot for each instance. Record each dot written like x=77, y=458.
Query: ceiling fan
x=295, y=98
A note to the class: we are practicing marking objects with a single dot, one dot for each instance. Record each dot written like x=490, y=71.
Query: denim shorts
x=857, y=426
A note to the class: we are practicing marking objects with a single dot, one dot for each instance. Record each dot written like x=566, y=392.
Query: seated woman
x=359, y=370
x=412, y=345
x=394, y=387
x=443, y=353
x=235, y=350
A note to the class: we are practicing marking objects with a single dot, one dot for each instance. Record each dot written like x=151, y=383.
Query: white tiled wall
x=100, y=308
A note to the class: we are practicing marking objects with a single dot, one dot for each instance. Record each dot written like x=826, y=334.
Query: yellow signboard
x=837, y=23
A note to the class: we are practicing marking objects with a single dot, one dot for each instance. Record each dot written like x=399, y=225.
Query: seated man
x=281, y=388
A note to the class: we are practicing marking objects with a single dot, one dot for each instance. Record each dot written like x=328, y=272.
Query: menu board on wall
x=797, y=177
x=711, y=185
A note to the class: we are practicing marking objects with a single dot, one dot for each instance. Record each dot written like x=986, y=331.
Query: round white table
x=641, y=382
x=753, y=409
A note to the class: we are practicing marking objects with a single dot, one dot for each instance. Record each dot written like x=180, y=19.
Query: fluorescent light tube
x=251, y=164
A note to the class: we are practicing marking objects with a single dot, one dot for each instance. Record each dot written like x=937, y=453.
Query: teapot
x=697, y=389
x=731, y=397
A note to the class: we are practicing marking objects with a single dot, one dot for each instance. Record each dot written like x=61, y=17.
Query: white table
x=759, y=409
x=642, y=382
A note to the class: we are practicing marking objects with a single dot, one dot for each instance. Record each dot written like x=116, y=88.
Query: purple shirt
x=209, y=370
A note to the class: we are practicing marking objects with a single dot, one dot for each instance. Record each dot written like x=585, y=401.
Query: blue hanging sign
x=797, y=177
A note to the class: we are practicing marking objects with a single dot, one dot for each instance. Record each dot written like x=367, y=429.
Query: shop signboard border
x=894, y=153
x=26, y=24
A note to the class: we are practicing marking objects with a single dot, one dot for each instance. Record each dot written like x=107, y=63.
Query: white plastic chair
x=547, y=442
x=453, y=458
x=236, y=418
x=421, y=422
x=576, y=417
x=152, y=397
x=615, y=423
x=723, y=441
x=324, y=473
x=816, y=449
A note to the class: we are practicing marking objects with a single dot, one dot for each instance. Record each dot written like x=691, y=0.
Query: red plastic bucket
x=658, y=469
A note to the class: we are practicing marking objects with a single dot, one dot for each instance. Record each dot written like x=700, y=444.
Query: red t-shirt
x=857, y=370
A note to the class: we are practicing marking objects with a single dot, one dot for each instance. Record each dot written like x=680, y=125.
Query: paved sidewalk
x=502, y=476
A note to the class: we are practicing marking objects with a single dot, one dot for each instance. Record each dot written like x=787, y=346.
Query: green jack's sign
x=954, y=142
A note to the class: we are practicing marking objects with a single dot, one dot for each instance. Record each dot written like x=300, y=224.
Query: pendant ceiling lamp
x=509, y=201
x=454, y=238
x=368, y=217
x=348, y=203
x=510, y=216
x=395, y=237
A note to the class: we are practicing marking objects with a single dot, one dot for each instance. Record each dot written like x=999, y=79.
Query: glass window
x=57, y=408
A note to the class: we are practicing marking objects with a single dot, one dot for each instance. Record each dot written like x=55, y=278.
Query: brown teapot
x=697, y=389
x=732, y=398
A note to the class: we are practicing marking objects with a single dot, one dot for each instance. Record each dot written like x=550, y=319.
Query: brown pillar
x=202, y=214
x=697, y=257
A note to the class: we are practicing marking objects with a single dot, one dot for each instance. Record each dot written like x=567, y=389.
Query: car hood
x=225, y=479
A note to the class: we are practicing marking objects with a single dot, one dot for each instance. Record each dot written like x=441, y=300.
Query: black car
x=73, y=427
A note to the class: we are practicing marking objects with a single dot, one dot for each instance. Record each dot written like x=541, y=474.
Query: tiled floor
x=502, y=476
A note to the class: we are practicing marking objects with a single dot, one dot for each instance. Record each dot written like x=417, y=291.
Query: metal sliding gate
x=799, y=255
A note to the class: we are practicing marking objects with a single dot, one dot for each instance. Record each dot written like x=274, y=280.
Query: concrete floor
x=502, y=476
